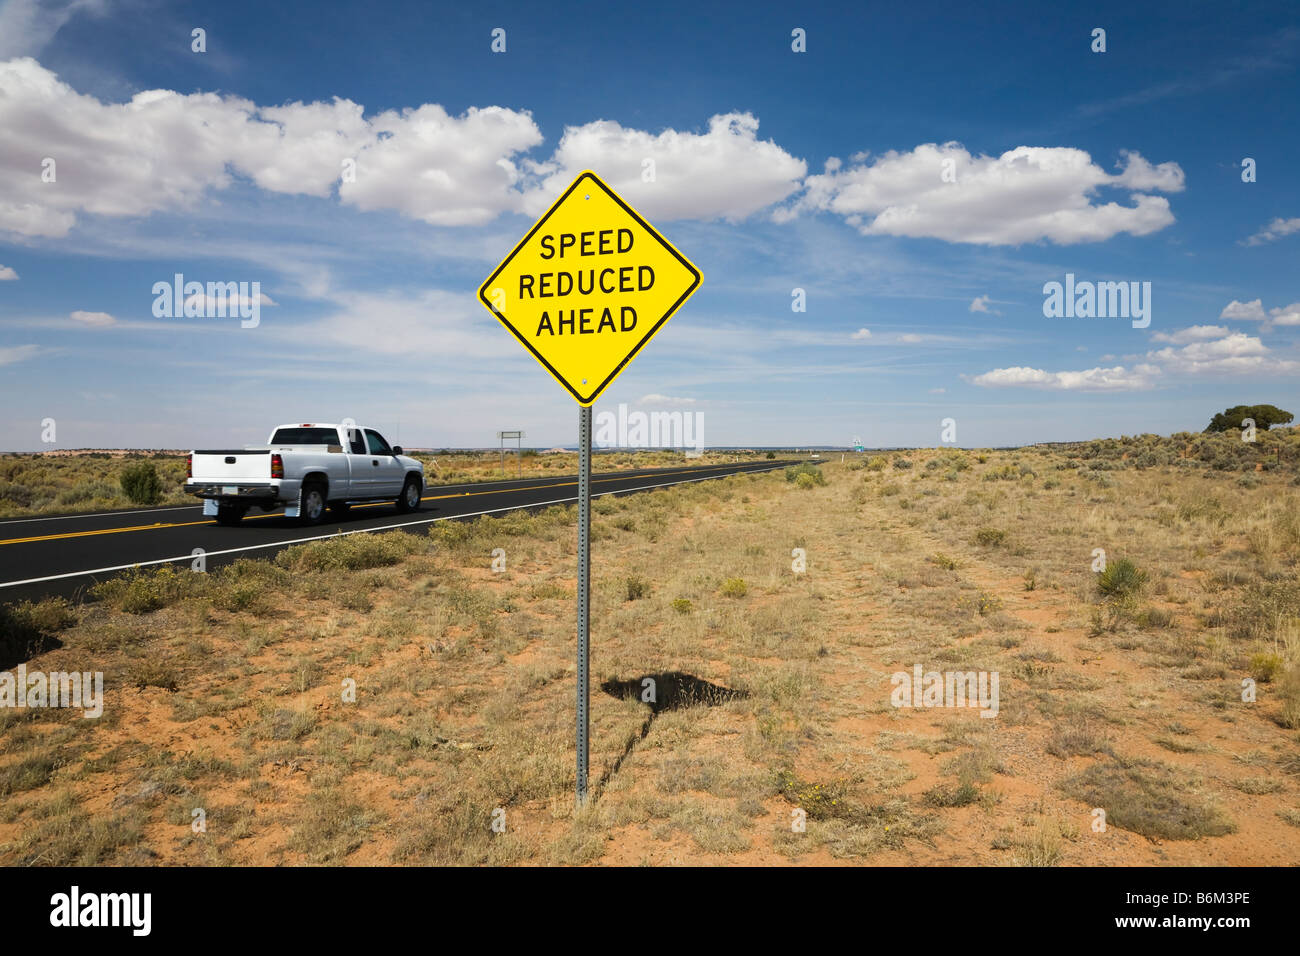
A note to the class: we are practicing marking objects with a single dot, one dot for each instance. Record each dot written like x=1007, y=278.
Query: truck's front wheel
x=311, y=504
x=410, y=500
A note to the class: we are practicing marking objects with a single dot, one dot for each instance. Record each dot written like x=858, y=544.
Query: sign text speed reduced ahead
x=588, y=286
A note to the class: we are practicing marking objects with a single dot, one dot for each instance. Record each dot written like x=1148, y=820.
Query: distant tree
x=1264, y=416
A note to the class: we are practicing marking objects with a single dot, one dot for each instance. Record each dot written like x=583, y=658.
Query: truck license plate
x=230, y=489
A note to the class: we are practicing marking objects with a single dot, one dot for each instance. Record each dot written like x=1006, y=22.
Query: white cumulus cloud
x=1024, y=195
x=1196, y=333
x=1254, y=311
x=1113, y=379
x=1285, y=315
x=100, y=319
x=7, y=274
x=1237, y=353
x=1200, y=351
x=164, y=150
x=445, y=170
x=724, y=173
x=1276, y=229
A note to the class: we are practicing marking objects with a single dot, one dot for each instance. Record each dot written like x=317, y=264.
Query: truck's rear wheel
x=410, y=500
x=230, y=515
x=311, y=504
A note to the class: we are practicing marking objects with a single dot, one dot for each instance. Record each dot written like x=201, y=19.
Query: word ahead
x=588, y=287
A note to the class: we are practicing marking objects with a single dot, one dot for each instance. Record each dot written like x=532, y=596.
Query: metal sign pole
x=584, y=598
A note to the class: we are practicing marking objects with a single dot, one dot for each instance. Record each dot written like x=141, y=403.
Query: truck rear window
x=305, y=436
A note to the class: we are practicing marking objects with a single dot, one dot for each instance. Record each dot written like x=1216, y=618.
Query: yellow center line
x=376, y=504
x=83, y=534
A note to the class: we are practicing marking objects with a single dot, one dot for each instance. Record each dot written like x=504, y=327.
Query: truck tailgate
x=221, y=466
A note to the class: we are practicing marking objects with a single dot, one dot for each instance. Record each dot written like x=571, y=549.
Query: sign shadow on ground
x=673, y=690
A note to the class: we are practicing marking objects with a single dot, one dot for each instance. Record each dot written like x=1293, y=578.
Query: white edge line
x=390, y=527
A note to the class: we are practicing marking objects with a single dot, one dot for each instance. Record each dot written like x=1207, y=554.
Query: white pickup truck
x=305, y=469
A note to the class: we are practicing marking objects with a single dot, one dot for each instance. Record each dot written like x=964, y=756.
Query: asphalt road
x=65, y=555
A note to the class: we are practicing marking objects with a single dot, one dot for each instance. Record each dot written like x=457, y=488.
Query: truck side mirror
x=397, y=449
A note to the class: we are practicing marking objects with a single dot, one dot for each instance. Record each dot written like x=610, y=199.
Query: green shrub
x=141, y=484
x=1005, y=473
x=355, y=552
x=794, y=473
x=86, y=491
x=1121, y=578
x=635, y=588
x=1264, y=667
x=682, y=605
x=771, y=455
x=805, y=481
x=990, y=537
x=734, y=588
x=138, y=591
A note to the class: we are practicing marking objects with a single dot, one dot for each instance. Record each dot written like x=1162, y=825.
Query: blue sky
x=775, y=170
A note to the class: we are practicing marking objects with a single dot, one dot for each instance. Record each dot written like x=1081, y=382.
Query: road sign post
x=585, y=289
x=584, y=600
x=519, y=451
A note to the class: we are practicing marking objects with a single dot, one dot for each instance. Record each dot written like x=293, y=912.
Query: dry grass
x=389, y=699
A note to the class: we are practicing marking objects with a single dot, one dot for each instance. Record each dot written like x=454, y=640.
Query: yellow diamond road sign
x=588, y=287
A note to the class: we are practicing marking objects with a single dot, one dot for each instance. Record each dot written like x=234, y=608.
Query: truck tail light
x=189, y=466
x=277, y=466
